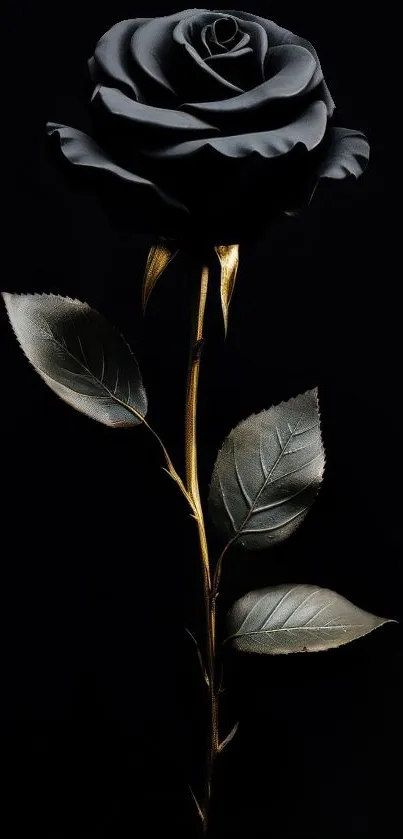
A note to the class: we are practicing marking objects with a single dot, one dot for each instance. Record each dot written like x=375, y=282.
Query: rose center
x=225, y=29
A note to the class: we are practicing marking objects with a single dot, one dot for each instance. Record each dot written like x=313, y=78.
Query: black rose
x=210, y=120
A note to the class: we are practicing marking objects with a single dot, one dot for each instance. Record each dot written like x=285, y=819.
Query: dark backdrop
x=101, y=722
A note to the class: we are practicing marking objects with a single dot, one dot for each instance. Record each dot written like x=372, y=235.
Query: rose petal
x=308, y=129
x=224, y=30
x=248, y=72
x=253, y=35
x=347, y=154
x=202, y=75
x=151, y=48
x=258, y=42
x=277, y=36
x=243, y=42
x=295, y=70
x=111, y=60
x=344, y=153
x=165, y=70
x=163, y=123
x=82, y=150
x=234, y=54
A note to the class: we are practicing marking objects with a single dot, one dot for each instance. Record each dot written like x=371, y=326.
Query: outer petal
x=295, y=68
x=347, y=154
x=112, y=62
x=161, y=124
x=277, y=36
x=82, y=150
x=308, y=129
x=343, y=153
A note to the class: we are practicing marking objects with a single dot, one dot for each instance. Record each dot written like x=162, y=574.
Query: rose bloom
x=209, y=123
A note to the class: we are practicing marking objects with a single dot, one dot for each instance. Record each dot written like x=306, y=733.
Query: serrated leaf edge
x=45, y=376
x=315, y=391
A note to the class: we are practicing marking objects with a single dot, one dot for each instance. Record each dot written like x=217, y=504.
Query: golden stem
x=190, y=426
x=192, y=486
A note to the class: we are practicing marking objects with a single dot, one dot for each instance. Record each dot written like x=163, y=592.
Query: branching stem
x=170, y=467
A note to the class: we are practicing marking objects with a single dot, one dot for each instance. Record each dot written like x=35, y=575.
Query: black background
x=101, y=720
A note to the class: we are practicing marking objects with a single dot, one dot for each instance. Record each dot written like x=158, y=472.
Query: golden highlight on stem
x=229, y=261
x=192, y=483
x=192, y=486
x=159, y=257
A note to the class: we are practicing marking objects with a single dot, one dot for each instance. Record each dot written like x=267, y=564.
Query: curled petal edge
x=347, y=155
x=308, y=131
x=81, y=150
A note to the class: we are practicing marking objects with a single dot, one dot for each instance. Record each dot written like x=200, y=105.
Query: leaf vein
x=270, y=528
x=226, y=502
x=298, y=606
x=274, y=609
x=239, y=479
x=345, y=626
x=283, y=500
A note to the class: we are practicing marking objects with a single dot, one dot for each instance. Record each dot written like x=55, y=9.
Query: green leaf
x=268, y=473
x=80, y=356
x=295, y=619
